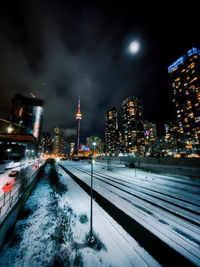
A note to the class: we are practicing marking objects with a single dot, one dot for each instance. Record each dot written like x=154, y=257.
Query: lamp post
x=9, y=150
x=91, y=239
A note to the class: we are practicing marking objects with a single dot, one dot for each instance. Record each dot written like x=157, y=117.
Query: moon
x=134, y=47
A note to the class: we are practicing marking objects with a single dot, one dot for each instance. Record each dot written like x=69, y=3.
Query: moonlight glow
x=134, y=47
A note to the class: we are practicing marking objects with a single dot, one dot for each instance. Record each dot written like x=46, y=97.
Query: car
x=13, y=173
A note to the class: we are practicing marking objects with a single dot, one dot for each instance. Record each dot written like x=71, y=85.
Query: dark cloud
x=61, y=50
x=69, y=132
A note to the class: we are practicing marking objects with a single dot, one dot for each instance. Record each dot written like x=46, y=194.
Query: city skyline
x=99, y=133
x=47, y=59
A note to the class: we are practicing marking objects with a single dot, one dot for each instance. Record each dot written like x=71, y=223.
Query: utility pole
x=91, y=239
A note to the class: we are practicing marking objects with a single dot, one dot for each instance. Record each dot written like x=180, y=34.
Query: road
x=164, y=209
x=15, y=166
x=7, y=199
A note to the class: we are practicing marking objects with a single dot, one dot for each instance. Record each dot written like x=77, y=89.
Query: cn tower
x=78, y=118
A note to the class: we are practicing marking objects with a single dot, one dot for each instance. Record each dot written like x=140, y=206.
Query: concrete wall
x=11, y=217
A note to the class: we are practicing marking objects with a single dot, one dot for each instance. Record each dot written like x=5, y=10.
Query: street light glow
x=134, y=47
x=10, y=129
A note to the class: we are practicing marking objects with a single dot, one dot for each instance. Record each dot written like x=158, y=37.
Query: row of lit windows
x=192, y=65
x=194, y=79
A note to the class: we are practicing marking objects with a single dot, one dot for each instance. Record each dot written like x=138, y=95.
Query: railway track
x=175, y=221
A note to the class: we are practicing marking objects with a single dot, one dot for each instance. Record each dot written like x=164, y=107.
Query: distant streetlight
x=10, y=129
x=9, y=150
x=91, y=239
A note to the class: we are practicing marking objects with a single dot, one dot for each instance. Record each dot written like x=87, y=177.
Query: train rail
x=172, y=218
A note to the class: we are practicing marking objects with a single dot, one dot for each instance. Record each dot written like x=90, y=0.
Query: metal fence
x=26, y=175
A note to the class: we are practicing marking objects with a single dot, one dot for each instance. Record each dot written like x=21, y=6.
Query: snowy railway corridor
x=138, y=220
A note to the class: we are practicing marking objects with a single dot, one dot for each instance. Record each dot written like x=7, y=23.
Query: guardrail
x=7, y=200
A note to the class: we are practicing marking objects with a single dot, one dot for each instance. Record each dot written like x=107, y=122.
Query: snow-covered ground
x=167, y=206
x=54, y=226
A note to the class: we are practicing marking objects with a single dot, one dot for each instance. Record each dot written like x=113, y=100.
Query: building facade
x=72, y=148
x=185, y=82
x=26, y=115
x=173, y=140
x=98, y=148
x=150, y=134
x=45, y=144
x=133, y=128
x=111, y=132
x=58, y=143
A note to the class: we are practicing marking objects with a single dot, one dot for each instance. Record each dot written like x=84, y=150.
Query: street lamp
x=10, y=128
x=9, y=150
x=91, y=239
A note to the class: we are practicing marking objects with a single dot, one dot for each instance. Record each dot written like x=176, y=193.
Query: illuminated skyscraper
x=111, y=132
x=133, y=129
x=150, y=135
x=97, y=149
x=58, y=142
x=45, y=143
x=172, y=136
x=72, y=146
x=78, y=118
x=185, y=82
x=27, y=113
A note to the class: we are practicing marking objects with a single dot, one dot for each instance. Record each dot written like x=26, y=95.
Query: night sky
x=62, y=49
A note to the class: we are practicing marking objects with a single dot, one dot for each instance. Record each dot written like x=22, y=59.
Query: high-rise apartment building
x=72, y=148
x=58, y=142
x=111, y=132
x=133, y=128
x=98, y=147
x=172, y=139
x=150, y=134
x=26, y=114
x=45, y=143
x=185, y=82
